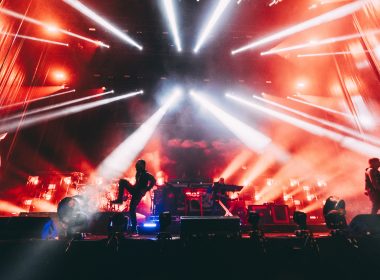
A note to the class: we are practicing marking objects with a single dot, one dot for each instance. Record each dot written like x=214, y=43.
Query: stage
x=279, y=254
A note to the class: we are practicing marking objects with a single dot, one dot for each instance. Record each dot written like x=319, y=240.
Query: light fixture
x=334, y=212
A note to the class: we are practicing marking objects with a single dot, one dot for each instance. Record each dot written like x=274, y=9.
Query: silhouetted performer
x=144, y=182
x=219, y=194
x=372, y=184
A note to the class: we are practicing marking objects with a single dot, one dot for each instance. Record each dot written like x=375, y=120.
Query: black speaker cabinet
x=271, y=213
x=365, y=225
x=99, y=222
x=209, y=226
x=27, y=227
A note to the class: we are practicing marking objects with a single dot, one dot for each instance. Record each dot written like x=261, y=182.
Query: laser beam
x=327, y=17
x=222, y=5
x=95, y=17
x=169, y=8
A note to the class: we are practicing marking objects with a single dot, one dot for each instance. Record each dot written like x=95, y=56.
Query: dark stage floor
x=278, y=256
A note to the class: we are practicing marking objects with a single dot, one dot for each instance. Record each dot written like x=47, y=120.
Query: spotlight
x=71, y=214
x=309, y=242
x=165, y=221
x=60, y=76
x=334, y=212
x=300, y=219
x=254, y=219
x=256, y=235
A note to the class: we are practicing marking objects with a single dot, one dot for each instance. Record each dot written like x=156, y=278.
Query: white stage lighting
x=49, y=26
x=252, y=138
x=333, y=125
x=327, y=17
x=346, y=142
x=36, y=99
x=222, y=5
x=95, y=17
x=55, y=106
x=12, y=126
x=35, y=39
x=321, y=42
x=321, y=107
x=329, y=53
x=123, y=156
x=169, y=9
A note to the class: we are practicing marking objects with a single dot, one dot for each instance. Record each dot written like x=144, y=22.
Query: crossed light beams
x=52, y=107
x=13, y=125
x=252, y=138
x=346, y=142
x=34, y=39
x=121, y=158
x=35, y=99
x=170, y=13
x=321, y=42
x=330, y=53
x=48, y=26
x=222, y=5
x=336, y=126
x=320, y=107
x=95, y=17
x=327, y=17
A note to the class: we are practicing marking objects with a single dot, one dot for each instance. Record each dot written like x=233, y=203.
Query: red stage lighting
x=60, y=76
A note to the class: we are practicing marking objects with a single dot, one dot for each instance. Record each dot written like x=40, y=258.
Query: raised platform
x=147, y=258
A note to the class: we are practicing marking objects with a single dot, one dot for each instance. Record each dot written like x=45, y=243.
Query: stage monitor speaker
x=271, y=213
x=209, y=227
x=365, y=224
x=27, y=227
x=280, y=213
x=100, y=221
x=264, y=213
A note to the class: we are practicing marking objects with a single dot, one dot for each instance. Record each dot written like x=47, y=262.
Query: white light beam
x=35, y=99
x=169, y=8
x=121, y=158
x=12, y=126
x=327, y=17
x=55, y=106
x=95, y=17
x=211, y=23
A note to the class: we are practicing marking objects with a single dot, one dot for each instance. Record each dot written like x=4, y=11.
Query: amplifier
x=271, y=213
